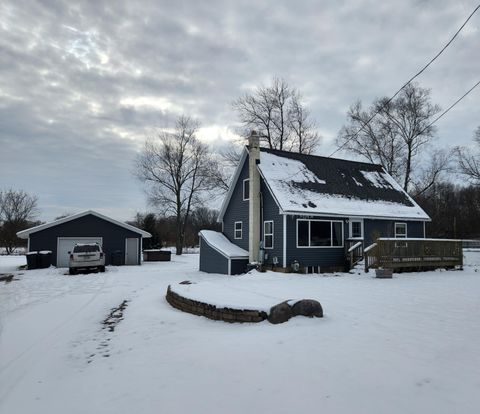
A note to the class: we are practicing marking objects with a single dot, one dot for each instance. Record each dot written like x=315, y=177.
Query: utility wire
x=408, y=82
x=448, y=109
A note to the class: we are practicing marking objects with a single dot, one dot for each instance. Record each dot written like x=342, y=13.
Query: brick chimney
x=254, y=196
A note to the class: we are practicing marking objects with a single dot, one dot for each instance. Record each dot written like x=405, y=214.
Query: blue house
x=289, y=210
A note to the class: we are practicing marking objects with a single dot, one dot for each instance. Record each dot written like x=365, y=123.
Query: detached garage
x=122, y=243
x=220, y=255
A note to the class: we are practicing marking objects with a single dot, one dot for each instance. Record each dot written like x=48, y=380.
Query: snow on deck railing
x=355, y=246
x=366, y=250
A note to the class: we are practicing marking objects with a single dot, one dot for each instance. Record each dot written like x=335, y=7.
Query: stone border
x=211, y=311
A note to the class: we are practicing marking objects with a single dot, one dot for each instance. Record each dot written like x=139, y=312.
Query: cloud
x=83, y=83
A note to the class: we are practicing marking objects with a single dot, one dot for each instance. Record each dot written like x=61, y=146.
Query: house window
x=238, y=230
x=400, y=230
x=319, y=233
x=268, y=234
x=246, y=189
x=356, y=229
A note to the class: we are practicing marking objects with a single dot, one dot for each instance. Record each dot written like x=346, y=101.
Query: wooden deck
x=413, y=254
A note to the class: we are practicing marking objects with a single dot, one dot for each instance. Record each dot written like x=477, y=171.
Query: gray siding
x=87, y=226
x=211, y=261
x=237, y=210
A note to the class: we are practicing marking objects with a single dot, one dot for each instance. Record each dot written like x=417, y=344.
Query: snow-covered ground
x=406, y=345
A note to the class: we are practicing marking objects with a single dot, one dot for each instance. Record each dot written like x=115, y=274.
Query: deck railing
x=413, y=254
x=354, y=251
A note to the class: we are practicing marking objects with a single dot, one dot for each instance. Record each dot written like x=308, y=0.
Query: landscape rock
x=308, y=307
x=280, y=313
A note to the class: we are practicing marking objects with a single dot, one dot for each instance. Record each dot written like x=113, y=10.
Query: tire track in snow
x=42, y=341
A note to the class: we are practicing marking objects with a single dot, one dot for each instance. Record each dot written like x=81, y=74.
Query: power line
x=442, y=114
x=408, y=82
x=450, y=107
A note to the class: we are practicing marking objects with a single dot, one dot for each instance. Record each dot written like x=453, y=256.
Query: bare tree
x=395, y=135
x=17, y=209
x=432, y=172
x=469, y=161
x=177, y=169
x=278, y=114
x=305, y=138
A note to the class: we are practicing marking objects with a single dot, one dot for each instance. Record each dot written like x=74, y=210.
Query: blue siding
x=87, y=226
x=386, y=228
x=237, y=210
x=271, y=213
x=314, y=256
x=211, y=261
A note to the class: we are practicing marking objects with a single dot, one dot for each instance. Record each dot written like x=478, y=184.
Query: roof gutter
x=303, y=213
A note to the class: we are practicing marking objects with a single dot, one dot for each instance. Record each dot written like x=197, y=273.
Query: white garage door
x=65, y=245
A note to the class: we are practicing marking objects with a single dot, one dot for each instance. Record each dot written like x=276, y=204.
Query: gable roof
x=310, y=184
x=25, y=233
x=315, y=185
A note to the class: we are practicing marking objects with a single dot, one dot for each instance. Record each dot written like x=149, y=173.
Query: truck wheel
x=72, y=271
x=102, y=269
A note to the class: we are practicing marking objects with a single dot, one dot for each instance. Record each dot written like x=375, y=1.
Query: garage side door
x=65, y=245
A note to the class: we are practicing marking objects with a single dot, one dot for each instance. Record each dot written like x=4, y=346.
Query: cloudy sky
x=83, y=83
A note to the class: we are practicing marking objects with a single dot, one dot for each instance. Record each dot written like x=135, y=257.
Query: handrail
x=355, y=246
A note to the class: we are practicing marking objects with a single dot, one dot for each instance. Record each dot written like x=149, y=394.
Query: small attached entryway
x=220, y=255
x=131, y=251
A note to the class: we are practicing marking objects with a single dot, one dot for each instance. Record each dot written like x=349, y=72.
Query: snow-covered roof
x=222, y=245
x=313, y=185
x=25, y=233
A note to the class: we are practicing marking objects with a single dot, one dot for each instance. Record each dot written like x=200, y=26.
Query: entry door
x=131, y=251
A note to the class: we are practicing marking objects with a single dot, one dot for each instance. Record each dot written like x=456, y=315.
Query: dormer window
x=246, y=189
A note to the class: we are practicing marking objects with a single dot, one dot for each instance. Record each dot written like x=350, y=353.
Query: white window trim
x=240, y=230
x=243, y=189
x=269, y=234
x=331, y=232
x=406, y=230
x=350, y=233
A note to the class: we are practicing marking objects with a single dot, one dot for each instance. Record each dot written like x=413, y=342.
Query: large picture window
x=238, y=230
x=268, y=234
x=319, y=233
